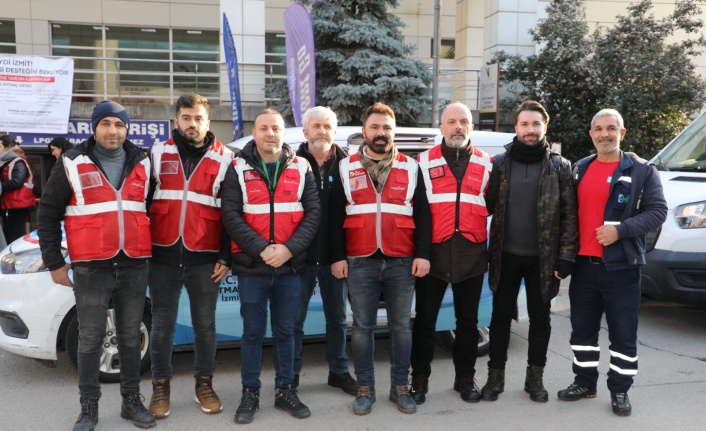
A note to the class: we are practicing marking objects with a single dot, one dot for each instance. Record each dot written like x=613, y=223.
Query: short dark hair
x=61, y=143
x=7, y=141
x=192, y=100
x=532, y=105
x=268, y=111
x=378, y=108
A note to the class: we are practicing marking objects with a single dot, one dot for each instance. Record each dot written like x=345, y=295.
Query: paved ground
x=669, y=393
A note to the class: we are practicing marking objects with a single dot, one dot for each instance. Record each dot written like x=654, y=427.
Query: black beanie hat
x=108, y=108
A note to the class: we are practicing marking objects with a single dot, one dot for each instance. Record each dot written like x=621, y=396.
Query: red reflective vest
x=274, y=220
x=18, y=198
x=101, y=221
x=188, y=209
x=379, y=221
x=453, y=205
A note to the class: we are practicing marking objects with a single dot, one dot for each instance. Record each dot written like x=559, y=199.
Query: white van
x=676, y=258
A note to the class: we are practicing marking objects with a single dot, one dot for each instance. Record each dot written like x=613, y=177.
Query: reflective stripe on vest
x=101, y=221
x=188, y=209
x=22, y=197
x=379, y=220
x=443, y=192
x=257, y=205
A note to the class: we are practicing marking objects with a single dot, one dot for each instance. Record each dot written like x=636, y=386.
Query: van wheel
x=109, y=362
x=446, y=340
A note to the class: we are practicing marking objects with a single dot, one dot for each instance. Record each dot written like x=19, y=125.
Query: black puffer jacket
x=56, y=196
x=319, y=251
x=248, y=262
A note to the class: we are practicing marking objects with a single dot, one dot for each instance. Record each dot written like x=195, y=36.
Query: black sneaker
x=344, y=381
x=88, y=418
x=249, y=405
x=419, y=388
x=287, y=399
x=575, y=392
x=621, y=403
x=494, y=386
x=132, y=409
x=469, y=390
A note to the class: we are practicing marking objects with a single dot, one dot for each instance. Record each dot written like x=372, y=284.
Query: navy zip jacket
x=636, y=200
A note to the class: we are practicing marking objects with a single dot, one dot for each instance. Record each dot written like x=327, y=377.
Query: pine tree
x=360, y=60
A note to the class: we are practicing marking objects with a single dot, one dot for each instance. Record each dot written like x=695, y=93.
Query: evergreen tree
x=360, y=60
x=629, y=67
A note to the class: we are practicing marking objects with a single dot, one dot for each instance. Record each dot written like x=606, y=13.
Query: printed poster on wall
x=35, y=93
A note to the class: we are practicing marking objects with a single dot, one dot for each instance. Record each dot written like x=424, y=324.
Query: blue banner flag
x=301, y=67
x=233, y=79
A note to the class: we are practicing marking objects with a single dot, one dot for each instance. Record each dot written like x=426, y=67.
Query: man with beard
x=381, y=234
x=455, y=178
x=189, y=247
x=99, y=190
x=532, y=237
x=319, y=126
x=613, y=218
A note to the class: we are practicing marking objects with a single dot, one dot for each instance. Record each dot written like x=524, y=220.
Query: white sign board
x=488, y=88
x=35, y=93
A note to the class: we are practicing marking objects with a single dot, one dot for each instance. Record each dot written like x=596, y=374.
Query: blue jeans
x=333, y=295
x=367, y=278
x=94, y=289
x=282, y=292
x=165, y=284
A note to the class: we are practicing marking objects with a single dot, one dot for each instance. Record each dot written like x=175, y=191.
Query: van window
x=687, y=152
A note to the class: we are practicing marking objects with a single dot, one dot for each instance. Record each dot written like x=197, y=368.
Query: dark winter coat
x=557, y=217
x=638, y=204
x=249, y=262
x=56, y=197
x=319, y=251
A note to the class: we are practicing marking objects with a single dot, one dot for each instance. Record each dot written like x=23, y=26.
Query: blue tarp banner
x=233, y=79
x=143, y=133
x=301, y=67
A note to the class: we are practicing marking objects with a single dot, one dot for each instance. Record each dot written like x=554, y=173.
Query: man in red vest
x=16, y=186
x=271, y=212
x=99, y=189
x=381, y=234
x=189, y=247
x=455, y=176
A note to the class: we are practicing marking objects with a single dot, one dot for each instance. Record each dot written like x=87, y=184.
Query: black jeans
x=514, y=269
x=94, y=289
x=429, y=294
x=166, y=284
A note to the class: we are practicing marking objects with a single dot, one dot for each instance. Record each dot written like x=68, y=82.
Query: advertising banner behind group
x=35, y=93
x=301, y=67
x=233, y=79
x=489, y=95
x=143, y=133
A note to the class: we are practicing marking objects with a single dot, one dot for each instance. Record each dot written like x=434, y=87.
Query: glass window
x=77, y=35
x=137, y=37
x=7, y=31
x=447, y=48
x=274, y=43
x=195, y=40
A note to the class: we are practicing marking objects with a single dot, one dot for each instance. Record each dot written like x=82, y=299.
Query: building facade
x=145, y=53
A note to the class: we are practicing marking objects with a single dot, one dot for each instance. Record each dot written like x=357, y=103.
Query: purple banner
x=301, y=67
x=233, y=79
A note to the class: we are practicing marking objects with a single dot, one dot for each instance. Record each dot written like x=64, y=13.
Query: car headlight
x=691, y=216
x=25, y=262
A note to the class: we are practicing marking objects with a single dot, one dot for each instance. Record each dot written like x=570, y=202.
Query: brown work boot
x=206, y=396
x=159, y=404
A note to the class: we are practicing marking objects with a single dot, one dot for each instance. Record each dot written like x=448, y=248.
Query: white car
x=38, y=317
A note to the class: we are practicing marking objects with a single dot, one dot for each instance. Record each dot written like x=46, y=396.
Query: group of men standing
x=371, y=225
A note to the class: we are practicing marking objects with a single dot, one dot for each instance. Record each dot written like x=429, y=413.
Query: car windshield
x=687, y=152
